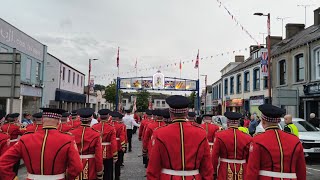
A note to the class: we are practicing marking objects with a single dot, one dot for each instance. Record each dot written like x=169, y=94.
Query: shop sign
x=311, y=88
x=234, y=103
x=256, y=100
x=26, y=90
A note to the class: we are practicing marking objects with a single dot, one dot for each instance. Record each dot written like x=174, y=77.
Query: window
x=74, y=78
x=78, y=80
x=226, y=87
x=28, y=68
x=63, y=73
x=124, y=102
x=247, y=81
x=256, y=79
x=163, y=104
x=299, y=67
x=3, y=50
x=158, y=103
x=231, y=85
x=38, y=71
x=317, y=60
x=220, y=91
x=282, y=72
x=81, y=81
x=265, y=82
x=239, y=82
x=69, y=75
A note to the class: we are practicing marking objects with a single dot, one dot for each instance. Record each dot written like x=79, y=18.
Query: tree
x=142, y=100
x=192, y=98
x=99, y=87
x=110, y=94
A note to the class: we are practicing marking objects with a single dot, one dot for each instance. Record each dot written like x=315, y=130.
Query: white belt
x=210, y=143
x=236, y=161
x=14, y=140
x=45, y=177
x=105, y=143
x=88, y=156
x=180, y=173
x=118, y=139
x=278, y=174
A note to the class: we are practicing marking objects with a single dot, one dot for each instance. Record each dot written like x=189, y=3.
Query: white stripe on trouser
x=278, y=174
x=105, y=143
x=210, y=143
x=45, y=177
x=88, y=156
x=14, y=140
x=180, y=173
x=236, y=161
x=118, y=139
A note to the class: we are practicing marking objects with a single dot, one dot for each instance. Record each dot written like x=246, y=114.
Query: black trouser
x=145, y=161
x=16, y=167
x=134, y=129
x=117, y=169
x=129, y=135
x=108, y=169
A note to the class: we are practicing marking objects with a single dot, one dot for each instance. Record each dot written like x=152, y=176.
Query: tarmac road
x=134, y=170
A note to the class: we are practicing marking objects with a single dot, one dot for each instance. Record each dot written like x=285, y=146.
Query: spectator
x=26, y=119
x=246, y=122
x=94, y=119
x=313, y=120
x=253, y=125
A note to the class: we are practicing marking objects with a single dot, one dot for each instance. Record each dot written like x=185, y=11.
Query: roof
x=302, y=38
x=218, y=81
x=247, y=63
x=66, y=64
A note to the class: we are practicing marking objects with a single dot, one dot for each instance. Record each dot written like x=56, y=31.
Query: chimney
x=293, y=29
x=239, y=58
x=317, y=16
x=274, y=40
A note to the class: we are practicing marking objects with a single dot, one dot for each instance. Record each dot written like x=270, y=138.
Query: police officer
x=230, y=150
x=275, y=154
x=47, y=154
x=109, y=143
x=180, y=150
x=129, y=121
x=37, y=123
x=89, y=145
x=290, y=127
x=242, y=127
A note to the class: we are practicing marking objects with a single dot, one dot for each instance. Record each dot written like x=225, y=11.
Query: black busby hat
x=233, y=117
x=178, y=104
x=37, y=115
x=191, y=114
x=52, y=113
x=104, y=112
x=85, y=114
x=271, y=113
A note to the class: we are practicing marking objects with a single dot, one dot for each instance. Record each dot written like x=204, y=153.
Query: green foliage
x=192, y=98
x=110, y=94
x=99, y=87
x=142, y=100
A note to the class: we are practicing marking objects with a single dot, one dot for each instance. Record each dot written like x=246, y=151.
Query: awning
x=63, y=95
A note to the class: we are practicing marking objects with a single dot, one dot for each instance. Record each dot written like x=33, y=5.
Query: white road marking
x=313, y=169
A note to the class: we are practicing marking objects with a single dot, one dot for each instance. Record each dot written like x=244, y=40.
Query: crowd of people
x=176, y=144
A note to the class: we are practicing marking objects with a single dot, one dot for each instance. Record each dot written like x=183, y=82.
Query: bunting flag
x=197, y=61
x=118, y=58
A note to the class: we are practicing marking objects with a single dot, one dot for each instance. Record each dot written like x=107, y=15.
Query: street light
x=269, y=53
x=88, y=91
x=205, y=93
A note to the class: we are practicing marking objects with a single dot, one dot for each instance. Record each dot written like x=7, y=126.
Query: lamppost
x=205, y=93
x=88, y=91
x=269, y=53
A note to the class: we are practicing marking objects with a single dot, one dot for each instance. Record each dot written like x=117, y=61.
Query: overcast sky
x=156, y=32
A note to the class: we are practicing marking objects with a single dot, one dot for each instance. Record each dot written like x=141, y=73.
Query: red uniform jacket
x=180, y=146
x=211, y=130
x=46, y=152
x=13, y=131
x=89, y=144
x=230, y=144
x=148, y=134
x=120, y=135
x=109, y=141
x=75, y=123
x=34, y=127
x=142, y=124
x=4, y=142
x=277, y=151
x=246, y=123
x=146, y=126
x=125, y=131
x=64, y=127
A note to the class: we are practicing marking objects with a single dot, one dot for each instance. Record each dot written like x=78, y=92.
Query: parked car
x=220, y=121
x=308, y=135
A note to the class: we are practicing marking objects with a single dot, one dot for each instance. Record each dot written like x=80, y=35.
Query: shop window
x=299, y=67
x=28, y=68
x=38, y=71
x=69, y=75
x=226, y=87
x=247, y=81
x=231, y=85
x=239, y=82
x=63, y=73
x=282, y=72
x=317, y=60
x=256, y=79
x=158, y=103
x=74, y=78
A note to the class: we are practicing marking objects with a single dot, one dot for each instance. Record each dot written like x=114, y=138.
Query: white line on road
x=313, y=169
x=309, y=172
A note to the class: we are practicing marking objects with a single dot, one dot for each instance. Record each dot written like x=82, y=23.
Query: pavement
x=134, y=170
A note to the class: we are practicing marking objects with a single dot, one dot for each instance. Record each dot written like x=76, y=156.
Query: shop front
x=69, y=100
x=255, y=102
x=310, y=102
x=234, y=105
x=217, y=107
x=31, y=98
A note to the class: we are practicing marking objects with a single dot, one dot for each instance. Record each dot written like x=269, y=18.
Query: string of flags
x=235, y=19
x=178, y=64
